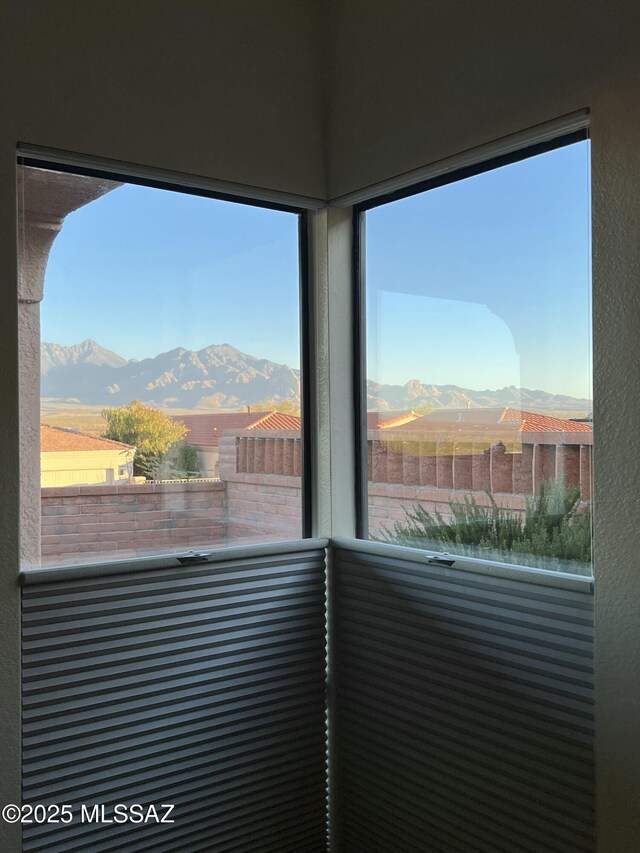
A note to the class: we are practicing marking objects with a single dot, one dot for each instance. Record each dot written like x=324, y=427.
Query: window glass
x=160, y=345
x=479, y=403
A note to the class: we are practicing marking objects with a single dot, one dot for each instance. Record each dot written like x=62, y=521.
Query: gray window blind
x=201, y=686
x=464, y=707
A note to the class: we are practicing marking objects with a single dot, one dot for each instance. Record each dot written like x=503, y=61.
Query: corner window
x=160, y=376
x=479, y=433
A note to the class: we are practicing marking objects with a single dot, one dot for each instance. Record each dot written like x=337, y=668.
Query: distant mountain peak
x=220, y=376
x=54, y=356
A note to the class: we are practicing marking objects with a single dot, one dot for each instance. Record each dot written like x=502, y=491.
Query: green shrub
x=555, y=526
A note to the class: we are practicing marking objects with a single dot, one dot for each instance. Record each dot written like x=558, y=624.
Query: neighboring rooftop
x=521, y=420
x=205, y=429
x=57, y=440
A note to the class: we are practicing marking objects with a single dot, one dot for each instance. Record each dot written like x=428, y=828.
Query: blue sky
x=486, y=282
x=142, y=271
x=482, y=283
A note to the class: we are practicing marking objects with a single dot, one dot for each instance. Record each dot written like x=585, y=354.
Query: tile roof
x=520, y=420
x=534, y=422
x=56, y=440
x=205, y=429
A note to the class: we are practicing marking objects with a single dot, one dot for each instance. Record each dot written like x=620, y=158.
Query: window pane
x=479, y=395
x=167, y=417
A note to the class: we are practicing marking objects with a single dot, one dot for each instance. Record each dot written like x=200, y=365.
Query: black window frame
x=359, y=291
x=304, y=298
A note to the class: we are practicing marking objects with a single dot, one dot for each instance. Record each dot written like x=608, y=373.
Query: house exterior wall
x=84, y=467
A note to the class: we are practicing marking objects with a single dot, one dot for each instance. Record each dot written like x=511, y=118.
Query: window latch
x=192, y=557
x=444, y=560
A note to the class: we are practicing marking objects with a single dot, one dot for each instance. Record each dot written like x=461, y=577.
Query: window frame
x=150, y=177
x=486, y=164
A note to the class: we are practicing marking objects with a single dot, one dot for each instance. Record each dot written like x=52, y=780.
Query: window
x=479, y=431
x=165, y=329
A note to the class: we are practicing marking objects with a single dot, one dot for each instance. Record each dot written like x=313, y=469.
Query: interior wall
x=224, y=90
x=227, y=91
x=419, y=81
x=413, y=82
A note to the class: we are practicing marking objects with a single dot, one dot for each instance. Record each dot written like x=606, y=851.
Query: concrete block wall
x=263, y=508
x=87, y=523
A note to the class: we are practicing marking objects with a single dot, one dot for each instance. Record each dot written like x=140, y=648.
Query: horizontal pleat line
x=470, y=666
x=419, y=570
x=176, y=689
x=426, y=726
x=232, y=828
x=466, y=638
x=433, y=816
x=74, y=727
x=398, y=835
x=421, y=769
x=434, y=784
x=210, y=739
x=291, y=834
x=39, y=725
x=71, y=609
x=396, y=598
x=446, y=722
x=466, y=686
x=306, y=837
x=563, y=605
x=122, y=612
x=380, y=835
x=417, y=615
x=475, y=769
x=276, y=756
x=244, y=662
x=225, y=794
x=535, y=712
x=151, y=641
x=234, y=725
x=224, y=808
x=103, y=666
x=170, y=623
x=363, y=688
x=456, y=740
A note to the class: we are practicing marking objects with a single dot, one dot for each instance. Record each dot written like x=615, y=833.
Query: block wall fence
x=258, y=497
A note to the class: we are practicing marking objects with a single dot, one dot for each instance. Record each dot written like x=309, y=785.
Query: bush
x=555, y=526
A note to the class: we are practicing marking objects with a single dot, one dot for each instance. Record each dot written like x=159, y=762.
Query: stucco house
x=69, y=458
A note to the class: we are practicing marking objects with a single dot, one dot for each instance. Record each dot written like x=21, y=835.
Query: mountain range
x=221, y=377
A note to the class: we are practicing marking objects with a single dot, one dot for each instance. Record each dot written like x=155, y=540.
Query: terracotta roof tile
x=56, y=440
x=277, y=420
x=205, y=429
x=519, y=420
x=534, y=422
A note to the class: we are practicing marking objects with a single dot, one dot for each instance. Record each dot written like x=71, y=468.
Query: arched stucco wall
x=45, y=198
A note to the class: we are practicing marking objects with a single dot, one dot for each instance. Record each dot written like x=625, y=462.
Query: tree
x=287, y=407
x=151, y=432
